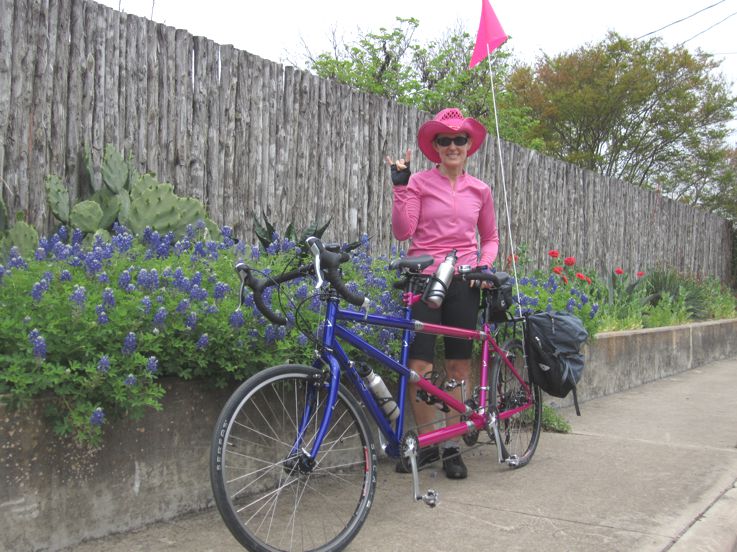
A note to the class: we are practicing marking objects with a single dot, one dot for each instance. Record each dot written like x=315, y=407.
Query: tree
x=428, y=76
x=635, y=110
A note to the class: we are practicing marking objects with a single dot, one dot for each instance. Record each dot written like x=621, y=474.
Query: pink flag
x=490, y=34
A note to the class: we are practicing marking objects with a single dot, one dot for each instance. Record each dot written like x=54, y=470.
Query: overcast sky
x=275, y=29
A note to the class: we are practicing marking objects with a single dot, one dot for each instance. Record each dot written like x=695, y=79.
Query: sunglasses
x=445, y=141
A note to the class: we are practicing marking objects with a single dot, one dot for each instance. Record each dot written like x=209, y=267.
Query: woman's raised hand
x=400, y=168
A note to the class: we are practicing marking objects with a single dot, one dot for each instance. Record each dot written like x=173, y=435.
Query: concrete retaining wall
x=54, y=495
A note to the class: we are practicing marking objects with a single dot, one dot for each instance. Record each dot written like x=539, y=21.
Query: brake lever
x=318, y=271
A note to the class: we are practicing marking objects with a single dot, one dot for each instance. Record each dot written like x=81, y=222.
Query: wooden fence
x=244, y=134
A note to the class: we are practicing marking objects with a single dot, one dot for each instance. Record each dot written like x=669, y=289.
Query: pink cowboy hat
x=449, y=121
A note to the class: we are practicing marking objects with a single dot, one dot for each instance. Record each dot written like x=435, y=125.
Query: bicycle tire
x=265, y=497
x=520, y=433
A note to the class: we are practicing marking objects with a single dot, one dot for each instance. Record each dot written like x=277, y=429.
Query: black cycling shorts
x=460, y=308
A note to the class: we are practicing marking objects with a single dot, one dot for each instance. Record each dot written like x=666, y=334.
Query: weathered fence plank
x=246, y=135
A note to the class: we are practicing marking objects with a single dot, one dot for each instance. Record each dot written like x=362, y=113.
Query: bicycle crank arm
x=409, y=448
x=431, y=497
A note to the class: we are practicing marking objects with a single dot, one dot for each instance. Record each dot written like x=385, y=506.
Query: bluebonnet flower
x=147, y=232
x=62, y=233
x=92, y=263
x=37, y=291
x=584, y=298
x=197, y=293
x=203, y=341
x=594, y=310
x=129, y=344
x=118, y=228
x=79, y=295
x=39, y=347
x=15, y=260
x=130, y=288
x=103, y=365
x=183, y=306
x=159, y=299
x=197, y=278
x=130, y=380
x=211, y=309
x=152, y=365
x=61, y=251
x=102, y=318
x=77, y=236
x=124, y=279
x=191, y=321
x=571, y=304
x=255, y=252
x=40, y=254
x=122, y=242
x=237, y=319
x=98, y=417
x=302, y=340
x=108, y=298
x=103, y=278
x=273, y=248
x=227, y=232
x=33, y=334
x=2, y=272
x=146, y=304
x=301, y=293
x=270, y=334
x=65, y=276
x=221, y=290
x=160, y=316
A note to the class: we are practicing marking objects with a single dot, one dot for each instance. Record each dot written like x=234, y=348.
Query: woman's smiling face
x=452, y=154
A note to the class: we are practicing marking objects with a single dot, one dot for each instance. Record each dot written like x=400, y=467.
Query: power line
x=709, y=28
x=683, y=19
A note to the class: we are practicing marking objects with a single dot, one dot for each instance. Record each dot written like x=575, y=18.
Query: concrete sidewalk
x=652, y=468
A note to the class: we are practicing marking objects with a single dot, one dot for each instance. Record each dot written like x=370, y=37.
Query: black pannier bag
x=553, y=347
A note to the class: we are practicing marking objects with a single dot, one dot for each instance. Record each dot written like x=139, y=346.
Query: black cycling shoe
x=426, y=456
x=453, y=464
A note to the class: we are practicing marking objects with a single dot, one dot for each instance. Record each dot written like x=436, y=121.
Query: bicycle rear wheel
x=520, y=431
x=269, y=493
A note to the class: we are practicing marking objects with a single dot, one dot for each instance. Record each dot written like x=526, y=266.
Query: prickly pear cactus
x=114, y=170
x=156, y=205
x=58, y=196
x=24, y=237
x=86, y=216
x=110, y=204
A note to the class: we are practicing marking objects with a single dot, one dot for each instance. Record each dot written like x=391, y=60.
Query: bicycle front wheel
x=519, y=411
x=270, y=494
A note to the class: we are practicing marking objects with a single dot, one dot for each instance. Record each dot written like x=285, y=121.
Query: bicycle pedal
x=431, y=498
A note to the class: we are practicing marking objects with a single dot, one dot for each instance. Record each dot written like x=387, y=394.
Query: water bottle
x=378, y=389
x=436, y=288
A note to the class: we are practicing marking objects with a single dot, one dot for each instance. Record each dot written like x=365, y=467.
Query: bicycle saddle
x=412, y=263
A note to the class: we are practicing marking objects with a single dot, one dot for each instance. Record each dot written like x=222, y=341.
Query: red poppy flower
x=569, y=261
x=640, y=274
x=581, y=276
x=565, y=280
x=588, y=280
x=557, y=269
x=618, y=271
x=554, y=253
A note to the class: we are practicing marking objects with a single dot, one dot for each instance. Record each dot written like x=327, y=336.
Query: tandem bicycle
x=293, y=462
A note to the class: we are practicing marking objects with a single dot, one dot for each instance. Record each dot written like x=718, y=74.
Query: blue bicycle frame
x=338, y=363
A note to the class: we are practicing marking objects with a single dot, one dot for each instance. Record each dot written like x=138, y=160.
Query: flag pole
x=504, y=184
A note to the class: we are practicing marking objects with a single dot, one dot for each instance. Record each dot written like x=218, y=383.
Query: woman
x=439, y=210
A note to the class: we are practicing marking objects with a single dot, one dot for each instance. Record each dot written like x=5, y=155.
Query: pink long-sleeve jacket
x=439, y=218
